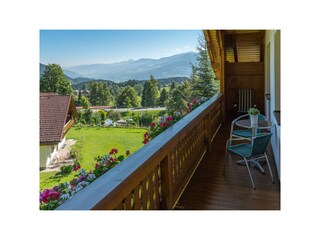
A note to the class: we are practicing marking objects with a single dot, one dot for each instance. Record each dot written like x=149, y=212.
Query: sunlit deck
x=208, y=189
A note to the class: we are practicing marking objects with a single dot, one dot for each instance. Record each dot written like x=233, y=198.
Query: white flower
x=83, y=184
x=91, y=177
x=82, y=172
x=78, y=188
x=65, y=197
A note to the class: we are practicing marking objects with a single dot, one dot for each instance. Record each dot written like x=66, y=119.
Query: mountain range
x=174, y=66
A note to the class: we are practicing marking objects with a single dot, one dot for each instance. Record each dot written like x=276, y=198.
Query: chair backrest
x=245, y=100
x=260, y=143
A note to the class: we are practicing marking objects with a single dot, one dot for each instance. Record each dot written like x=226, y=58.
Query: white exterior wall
x=272, y=83
x=48, y=152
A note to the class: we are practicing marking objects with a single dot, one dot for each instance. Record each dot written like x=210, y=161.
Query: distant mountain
x=174, y=66
x=162, y=82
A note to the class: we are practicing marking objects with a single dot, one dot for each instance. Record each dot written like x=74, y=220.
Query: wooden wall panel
x=244, y=75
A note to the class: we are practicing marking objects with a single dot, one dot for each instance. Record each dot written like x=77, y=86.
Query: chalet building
x=84, y=93
x=57, y=114
x=182, y=168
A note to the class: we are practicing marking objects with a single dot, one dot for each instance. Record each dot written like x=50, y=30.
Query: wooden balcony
x=164, y=174
x=208, y=189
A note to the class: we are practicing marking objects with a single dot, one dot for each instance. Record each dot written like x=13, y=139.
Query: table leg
x=253, y=163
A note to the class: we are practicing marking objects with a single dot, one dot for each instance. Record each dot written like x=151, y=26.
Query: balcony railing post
x=207, y=125
x=166, y=183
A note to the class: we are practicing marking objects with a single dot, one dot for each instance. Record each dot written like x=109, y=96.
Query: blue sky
x=76, y=47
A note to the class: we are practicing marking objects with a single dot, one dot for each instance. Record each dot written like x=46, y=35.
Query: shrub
x=66, y=168
x=113, y=115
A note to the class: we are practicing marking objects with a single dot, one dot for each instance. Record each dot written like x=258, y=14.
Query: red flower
x=152, y=124
x=163, y=124
x=145, y=141
x=96, y=166
x=169, y=118
x=127, y=152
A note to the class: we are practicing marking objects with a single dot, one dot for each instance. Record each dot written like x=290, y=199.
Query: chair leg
x=246, y=161
x=269, y=167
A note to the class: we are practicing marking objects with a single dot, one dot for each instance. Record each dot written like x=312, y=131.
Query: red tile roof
x=53, y=115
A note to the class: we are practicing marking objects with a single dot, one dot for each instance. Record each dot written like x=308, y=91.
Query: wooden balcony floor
x=208, y=189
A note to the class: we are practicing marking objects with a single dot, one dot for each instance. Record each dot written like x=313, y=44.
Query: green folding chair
x=250, y=152
x=245, y=134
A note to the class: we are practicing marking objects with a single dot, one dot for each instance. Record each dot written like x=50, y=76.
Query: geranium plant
x=52, y=198
x=166, y=121
x=253, y=111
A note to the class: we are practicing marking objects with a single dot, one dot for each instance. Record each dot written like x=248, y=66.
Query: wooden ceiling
x=234, y=46
x=237, y=45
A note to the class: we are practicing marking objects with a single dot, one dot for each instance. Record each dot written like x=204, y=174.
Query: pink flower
x=152, y=124
x=163, y=124
x=169, y=118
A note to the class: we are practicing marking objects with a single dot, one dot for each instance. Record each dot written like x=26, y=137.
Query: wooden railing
x=155, y=176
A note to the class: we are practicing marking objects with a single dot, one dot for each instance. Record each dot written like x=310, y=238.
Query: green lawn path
x=97, y=142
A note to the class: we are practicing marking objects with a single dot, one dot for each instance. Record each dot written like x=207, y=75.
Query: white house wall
x=272, y=78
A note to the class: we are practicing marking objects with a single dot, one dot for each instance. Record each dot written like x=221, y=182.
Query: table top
x=262, y=124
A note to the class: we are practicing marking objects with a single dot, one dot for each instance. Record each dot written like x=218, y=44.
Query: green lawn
x=96, y=141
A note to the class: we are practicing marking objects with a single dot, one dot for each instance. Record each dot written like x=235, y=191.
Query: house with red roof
x=57, y=115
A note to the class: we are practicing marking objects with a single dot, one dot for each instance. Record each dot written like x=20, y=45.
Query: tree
x=164, y=95
x=139, y=88
x=127, y=98
x=187, y=91
x=177, y=101
x=203, y=78
x=150, y=93
x=99, y=93
x=54, y=80
x=172, y=87
x=84, y=102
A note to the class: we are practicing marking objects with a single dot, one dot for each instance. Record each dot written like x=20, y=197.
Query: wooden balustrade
x=155, y=176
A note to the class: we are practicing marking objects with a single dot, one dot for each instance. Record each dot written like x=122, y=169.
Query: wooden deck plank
x=210, y=190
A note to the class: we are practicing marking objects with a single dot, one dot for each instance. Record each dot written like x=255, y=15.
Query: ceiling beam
x=234, y=46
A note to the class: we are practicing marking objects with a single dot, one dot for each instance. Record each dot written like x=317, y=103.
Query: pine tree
x=127, y=98
x=203, y=78
x=150, y=94
x=177, y=101
x=164, y=95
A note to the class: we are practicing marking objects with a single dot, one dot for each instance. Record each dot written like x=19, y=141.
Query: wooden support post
x=166, y=183
x=207, y=125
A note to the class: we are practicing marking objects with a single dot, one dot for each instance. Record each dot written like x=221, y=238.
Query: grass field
x=96, y=141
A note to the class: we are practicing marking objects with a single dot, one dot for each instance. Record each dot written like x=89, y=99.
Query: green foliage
x=86, y=115
x=253, y=111
x=127, y=98
x=177, y=101
x=138, y=88
x=145, y=119
x=103, y=115
x=95, y=118
x=164, y=96
x=202, y=77
x=75, y=152
x=66, y=169
x=150, y=93
x=53, y=80
x=84, y=102
x=99, y=93
x=114, y=115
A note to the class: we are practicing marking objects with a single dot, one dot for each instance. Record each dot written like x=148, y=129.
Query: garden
x=93, y=142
